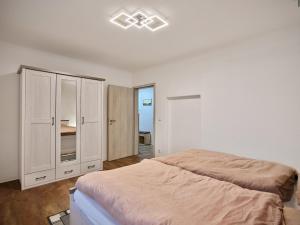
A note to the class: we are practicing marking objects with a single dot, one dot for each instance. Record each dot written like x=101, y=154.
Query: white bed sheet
x=94, y=212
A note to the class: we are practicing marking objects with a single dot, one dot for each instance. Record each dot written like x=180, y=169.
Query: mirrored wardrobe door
x=67, y=120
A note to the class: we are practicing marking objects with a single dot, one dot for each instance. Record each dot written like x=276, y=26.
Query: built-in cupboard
x=61, y=126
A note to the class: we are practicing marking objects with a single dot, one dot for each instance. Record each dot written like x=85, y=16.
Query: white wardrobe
x=61, y=126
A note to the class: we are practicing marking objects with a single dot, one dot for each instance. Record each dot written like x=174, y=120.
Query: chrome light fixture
x=139, y=19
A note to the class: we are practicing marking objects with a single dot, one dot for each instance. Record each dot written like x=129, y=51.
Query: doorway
x=131, y=127
x=145, y=117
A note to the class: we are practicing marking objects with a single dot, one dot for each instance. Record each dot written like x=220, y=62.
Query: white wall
x=145, y=112
x=11, y=56
x=250, y=96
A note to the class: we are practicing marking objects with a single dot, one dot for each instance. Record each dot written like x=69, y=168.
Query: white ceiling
x=81, y=28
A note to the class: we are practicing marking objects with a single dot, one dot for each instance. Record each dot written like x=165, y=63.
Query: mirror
x=68, y=120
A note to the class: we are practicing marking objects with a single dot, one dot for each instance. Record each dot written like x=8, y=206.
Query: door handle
x=53, y=121
x=111, y=122
x=82, y=120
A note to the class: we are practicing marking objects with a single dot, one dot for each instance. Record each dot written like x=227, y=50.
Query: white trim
x=8, y=179
x=183, y=97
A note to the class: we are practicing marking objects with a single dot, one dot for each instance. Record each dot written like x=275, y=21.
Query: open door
x=120, y=122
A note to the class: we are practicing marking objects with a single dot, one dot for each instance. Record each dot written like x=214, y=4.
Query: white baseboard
x=3, y=180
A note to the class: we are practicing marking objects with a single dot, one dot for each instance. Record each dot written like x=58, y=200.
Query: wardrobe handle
x=82, y=120
x=53, y=121
x=91, y=167
x=68, y=171
x=40, y=178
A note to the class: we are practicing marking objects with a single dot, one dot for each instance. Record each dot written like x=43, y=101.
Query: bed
x=86, y=211
x=178, y=190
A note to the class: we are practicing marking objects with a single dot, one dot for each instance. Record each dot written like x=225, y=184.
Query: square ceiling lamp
x=139, y=19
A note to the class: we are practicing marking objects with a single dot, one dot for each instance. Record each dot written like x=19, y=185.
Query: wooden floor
x=33, y=206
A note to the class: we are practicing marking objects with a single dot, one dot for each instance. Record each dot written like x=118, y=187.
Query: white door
x=39, y=121
x=120, y=122
x=67, y=120
x=91, y=120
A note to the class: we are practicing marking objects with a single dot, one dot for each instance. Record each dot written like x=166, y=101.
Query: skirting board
x=3, y=180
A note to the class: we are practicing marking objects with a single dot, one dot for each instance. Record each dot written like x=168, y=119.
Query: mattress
x=92, y=210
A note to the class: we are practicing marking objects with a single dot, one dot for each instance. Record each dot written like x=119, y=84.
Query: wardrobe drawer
x=87, y=167
x=68, y=171
x=39, y=177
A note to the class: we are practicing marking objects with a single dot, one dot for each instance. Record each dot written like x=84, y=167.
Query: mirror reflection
x=68, y=120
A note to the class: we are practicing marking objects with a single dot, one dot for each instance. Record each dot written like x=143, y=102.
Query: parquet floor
x=33, y=206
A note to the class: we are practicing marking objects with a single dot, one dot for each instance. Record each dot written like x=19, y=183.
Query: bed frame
x=76, y=216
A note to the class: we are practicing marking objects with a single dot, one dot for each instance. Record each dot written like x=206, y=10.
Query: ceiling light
x=139, y=20
x=156, y=23
x=122, y=20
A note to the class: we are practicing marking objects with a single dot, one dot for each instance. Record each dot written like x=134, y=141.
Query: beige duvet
x=153, y=193
x=248, y=173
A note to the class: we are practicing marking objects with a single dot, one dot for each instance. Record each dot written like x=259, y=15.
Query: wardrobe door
x=91, y=120
x=67, y=120
x=39, y=121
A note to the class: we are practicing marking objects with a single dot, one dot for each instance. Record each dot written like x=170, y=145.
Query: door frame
x=136, y=117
